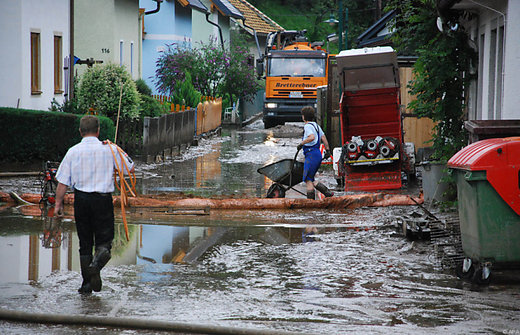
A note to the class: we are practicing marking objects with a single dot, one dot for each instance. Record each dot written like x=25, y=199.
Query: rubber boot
x=101, y=258
x=323, y=189
x=310, y=195
x=84, y=262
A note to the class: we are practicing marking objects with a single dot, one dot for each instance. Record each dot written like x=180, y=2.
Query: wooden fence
x=416, y=130
x=166, y=134
x=175, y=108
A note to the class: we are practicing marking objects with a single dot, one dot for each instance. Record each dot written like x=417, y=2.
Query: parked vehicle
x=293, y=69
x=373, y=151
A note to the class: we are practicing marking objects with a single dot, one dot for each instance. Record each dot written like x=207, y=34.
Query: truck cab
x=294, y=68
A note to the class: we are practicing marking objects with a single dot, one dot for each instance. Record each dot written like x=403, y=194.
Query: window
x=500, y=69
x=492, y=74
x=132, y=58
x=57, y=64
x=35, y=63
x=297, y=67
x=121, y=53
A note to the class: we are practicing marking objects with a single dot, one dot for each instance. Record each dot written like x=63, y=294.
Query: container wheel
x=482, y=275
x=468, y=274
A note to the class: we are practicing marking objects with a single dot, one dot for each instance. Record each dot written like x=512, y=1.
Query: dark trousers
x=94, y=215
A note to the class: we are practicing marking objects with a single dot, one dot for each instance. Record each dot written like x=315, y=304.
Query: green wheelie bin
x=487, y=174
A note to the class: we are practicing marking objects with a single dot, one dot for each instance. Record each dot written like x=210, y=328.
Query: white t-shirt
x=310, y=128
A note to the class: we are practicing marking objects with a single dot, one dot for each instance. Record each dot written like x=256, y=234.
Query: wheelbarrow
x=285, y=174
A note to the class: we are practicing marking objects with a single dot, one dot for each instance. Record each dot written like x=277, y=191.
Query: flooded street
x=301, y=271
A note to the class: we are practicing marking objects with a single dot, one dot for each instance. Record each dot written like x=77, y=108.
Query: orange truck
x=293, y=69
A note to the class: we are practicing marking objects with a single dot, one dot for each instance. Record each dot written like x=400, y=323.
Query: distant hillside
x=306, y=14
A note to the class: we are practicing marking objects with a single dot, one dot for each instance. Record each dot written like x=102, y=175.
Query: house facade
x=34, y=35
x=494, y=31
x=108, y=31
x=254, y=21
x=183, y=22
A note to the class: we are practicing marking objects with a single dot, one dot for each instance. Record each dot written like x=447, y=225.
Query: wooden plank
x=419, y=131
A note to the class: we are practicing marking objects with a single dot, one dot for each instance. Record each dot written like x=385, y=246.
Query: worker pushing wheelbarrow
x=289, y=172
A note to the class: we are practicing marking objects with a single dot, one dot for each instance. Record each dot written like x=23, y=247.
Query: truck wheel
x=268, y=123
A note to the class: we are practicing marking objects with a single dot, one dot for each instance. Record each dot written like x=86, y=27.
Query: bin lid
x=500, y=158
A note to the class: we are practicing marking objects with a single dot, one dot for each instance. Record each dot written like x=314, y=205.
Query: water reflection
x=300, y=271
x=52, y=236
x=52, y=245
x=28, y=255
x=227, y=166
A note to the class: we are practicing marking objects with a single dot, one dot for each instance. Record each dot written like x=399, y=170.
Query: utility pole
x=377, y=14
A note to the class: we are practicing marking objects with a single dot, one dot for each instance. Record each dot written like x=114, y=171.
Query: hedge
x=29, y=135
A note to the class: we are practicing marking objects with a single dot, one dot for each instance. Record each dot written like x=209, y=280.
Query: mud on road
x=305, y=271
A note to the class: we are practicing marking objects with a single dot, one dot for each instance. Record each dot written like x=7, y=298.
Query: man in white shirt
x=88, y=168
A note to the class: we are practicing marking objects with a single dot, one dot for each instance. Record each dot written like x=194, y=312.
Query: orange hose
x=122, y=185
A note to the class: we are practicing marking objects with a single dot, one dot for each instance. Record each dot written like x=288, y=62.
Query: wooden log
x=350, y=201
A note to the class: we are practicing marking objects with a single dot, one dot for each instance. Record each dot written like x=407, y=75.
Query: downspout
x=256, y=37
x=219, y=29
x=71, y=51
x=156, y=9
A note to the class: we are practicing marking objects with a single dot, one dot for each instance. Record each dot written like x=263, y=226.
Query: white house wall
x=17, y=20
x=494, y=95
x=512, y=62
x=11, y=54
x=108, y=30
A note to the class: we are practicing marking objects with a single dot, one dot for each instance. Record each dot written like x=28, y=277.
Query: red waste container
x=487, y=174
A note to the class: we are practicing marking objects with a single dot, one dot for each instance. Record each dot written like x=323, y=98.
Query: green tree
x=441, y=72
x=184, y=93
x=239, y=76
x=309, y=15
x=212, y=70
x=103, y=86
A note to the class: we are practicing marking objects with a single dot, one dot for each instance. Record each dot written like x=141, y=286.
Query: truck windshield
x=296, y=67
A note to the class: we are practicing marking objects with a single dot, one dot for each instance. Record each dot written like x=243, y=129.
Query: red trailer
x=371, y=126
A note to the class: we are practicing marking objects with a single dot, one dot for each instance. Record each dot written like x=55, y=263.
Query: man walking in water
x=88, y=168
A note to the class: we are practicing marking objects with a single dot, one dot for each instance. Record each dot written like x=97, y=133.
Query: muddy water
x=302, y=271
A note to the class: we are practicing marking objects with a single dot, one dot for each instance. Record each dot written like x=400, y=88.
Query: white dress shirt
x=89, y=166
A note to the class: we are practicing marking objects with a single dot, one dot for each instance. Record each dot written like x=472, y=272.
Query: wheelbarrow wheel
x=276, y=191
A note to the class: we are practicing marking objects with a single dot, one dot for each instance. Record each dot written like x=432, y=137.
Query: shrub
x=151, y=107
x=185, y=94
x=40, y=135
x=142, y=87
x=100, y=91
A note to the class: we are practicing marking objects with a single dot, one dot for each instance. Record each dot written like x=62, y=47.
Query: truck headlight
x=271, y=105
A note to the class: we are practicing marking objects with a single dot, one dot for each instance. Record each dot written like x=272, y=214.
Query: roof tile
x=255, y=18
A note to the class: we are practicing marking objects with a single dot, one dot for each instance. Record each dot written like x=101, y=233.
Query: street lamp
x=342, y=24
x=331, y=21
